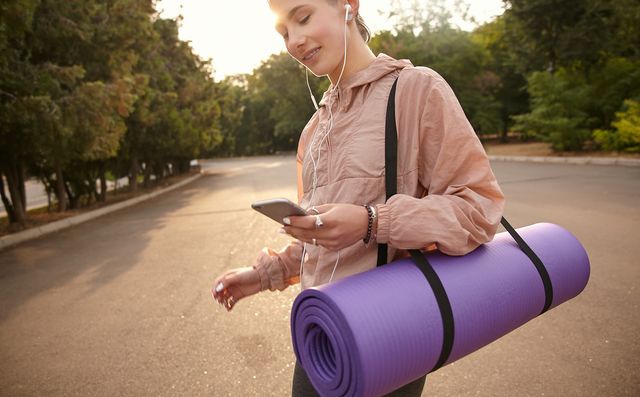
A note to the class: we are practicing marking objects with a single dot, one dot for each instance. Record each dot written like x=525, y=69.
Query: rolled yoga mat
x=371, y=333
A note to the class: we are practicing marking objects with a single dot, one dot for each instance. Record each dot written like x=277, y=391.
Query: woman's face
x=313, y=33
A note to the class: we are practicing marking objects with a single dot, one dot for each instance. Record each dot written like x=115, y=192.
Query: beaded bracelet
x=371, y=212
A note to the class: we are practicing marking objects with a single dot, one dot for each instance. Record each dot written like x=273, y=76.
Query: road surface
x=120, y=306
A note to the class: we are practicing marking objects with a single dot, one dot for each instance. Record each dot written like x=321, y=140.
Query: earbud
x=347, y=15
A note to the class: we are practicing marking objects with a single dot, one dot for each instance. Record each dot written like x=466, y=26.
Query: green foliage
x=558, y=112
x=548, y=34
x=95, y=86
x=568, y=105
x=509, y=91
x=460, y=60
x=626, y=136
x=270, y=107
x=611, y=83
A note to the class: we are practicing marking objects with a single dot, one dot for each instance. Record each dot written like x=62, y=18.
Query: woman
x=448, y=198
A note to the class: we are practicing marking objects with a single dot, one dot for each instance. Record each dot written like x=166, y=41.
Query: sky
x=239, y=34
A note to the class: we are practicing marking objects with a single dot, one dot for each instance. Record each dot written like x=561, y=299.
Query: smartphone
x=278, y=208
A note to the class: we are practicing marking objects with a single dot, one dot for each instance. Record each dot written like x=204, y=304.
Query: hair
x=362, y=27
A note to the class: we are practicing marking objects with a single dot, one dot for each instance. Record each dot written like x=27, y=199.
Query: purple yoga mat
x=371, y=333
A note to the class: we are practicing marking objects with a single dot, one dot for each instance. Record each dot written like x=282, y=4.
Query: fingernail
x=286, y=221
x=219, y=287
x=282, y=231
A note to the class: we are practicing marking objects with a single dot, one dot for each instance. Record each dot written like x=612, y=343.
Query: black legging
x=302, y=387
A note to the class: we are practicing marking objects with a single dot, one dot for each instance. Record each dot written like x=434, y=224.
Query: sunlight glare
x=239, y=35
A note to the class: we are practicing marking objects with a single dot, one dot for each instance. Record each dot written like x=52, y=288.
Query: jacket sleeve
x=279, y=269
x=462, y=204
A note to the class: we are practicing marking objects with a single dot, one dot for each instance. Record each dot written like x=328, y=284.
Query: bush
x=558, y=111
x=626, y=136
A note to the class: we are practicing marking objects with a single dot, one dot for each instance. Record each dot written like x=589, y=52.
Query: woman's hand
x=235, y=285
x=342, y=226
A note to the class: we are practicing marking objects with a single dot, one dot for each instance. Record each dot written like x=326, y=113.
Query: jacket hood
x=380, y=67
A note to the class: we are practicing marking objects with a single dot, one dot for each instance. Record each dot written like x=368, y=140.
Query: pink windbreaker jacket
x=448, y=197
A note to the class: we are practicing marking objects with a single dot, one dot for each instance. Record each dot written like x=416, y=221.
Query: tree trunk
x=133, y=175
x=73, y=199
x=21, y=184
x=8, y=207
x=60, y=189
x=103, y=182
x=15, y=192
x=505, y=128
x=147, y=175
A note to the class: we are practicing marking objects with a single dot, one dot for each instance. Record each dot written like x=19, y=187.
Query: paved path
x=120, y=306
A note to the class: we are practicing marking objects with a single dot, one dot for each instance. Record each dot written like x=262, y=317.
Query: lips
x=309, y=54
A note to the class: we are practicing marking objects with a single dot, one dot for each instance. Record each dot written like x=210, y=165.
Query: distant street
x=120, y=306
x=37, y=194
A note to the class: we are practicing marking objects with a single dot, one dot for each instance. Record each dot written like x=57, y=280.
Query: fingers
x=300, y=222
x=227, y=298
x=223, y=291
x=313, y=236
x=310, y=227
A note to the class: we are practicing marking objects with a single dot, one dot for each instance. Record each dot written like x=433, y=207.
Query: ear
x=347, y=12
x=355, y=8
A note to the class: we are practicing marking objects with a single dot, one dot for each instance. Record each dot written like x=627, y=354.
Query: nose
x=296, y=42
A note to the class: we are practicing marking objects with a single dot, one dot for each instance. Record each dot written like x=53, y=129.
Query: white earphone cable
x=314, y=182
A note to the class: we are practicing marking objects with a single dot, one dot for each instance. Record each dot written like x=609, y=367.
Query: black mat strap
x=542, y=270
x=444, y=305
x=391, y=172
x=390, y=160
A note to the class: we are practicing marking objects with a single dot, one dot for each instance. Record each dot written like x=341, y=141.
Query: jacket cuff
x=270, y=271
x=384, y=220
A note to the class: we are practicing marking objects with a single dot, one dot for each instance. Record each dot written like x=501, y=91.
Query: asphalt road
x=120, y=306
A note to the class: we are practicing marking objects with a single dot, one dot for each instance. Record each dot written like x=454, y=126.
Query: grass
x=494, y=147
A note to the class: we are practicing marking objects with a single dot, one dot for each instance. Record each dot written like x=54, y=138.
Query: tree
x=16, y=77
x=592, y=46
x=548, y=34
x=89, y=93
x=234, y=102
x=86, y=84
x=454, y=54
x=509, y=91
x=276, y=107
x=558, y=111
x=177, y=115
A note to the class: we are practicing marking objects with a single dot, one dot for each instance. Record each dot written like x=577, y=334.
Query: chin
x=319, y=70
x=317, y=73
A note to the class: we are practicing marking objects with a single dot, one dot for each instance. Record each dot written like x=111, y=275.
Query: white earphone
x=347, y=15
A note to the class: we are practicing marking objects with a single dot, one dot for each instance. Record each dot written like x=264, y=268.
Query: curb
x=620, y=161
x=36, y=232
